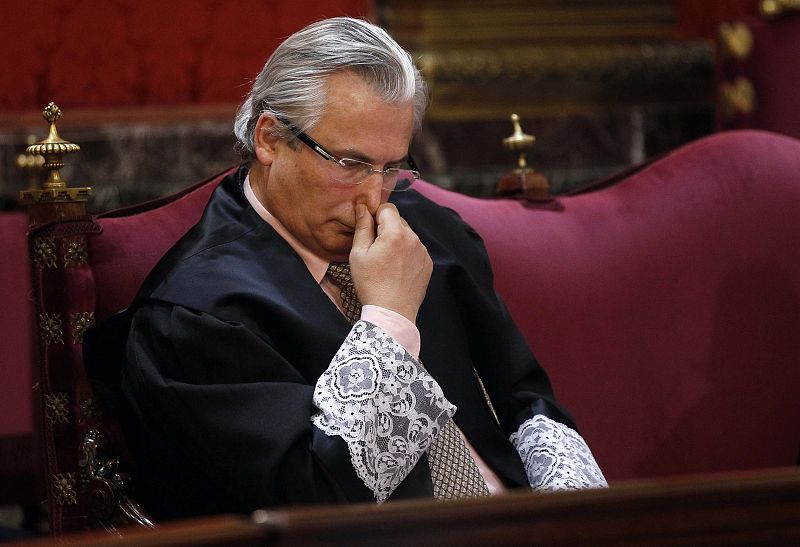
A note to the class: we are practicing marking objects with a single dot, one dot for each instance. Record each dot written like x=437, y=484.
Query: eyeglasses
x=352, y=172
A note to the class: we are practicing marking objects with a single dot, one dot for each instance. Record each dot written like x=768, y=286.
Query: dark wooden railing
x=746, y=508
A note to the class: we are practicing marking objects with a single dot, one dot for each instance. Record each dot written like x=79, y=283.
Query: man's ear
x=264, y=141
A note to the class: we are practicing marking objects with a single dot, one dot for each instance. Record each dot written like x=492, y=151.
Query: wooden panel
x=733, y=509
x=486, y=59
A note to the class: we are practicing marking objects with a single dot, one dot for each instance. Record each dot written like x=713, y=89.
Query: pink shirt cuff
x=398, y=327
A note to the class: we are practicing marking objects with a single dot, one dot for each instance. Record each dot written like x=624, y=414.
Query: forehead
x=359, y=119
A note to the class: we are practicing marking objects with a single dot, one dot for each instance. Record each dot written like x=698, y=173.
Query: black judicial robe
x=212, y=369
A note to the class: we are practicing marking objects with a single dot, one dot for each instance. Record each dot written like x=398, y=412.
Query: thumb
x=364, y=234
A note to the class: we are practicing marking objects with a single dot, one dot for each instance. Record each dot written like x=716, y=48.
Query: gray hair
x=292, y=84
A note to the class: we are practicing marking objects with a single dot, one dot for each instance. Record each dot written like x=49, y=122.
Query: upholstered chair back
x=666, y=307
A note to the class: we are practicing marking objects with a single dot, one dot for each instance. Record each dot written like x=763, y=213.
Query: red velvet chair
x=665, y=307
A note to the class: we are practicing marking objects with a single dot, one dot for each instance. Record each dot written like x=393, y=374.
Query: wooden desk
x=748, y=508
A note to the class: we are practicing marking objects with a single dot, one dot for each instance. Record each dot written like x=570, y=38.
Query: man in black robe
x=256, y=375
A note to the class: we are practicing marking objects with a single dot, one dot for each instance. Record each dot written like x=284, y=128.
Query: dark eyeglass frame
x=303, y=137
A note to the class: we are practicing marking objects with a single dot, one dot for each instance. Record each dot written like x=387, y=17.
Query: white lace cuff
x=555, y=456
x=385, y=406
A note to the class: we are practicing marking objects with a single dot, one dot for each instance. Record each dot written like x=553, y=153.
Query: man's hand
x=390, y=268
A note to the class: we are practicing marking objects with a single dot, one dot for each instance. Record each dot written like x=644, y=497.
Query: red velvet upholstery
x=134, y=239
x=18, y=462
x=666, y=308
x=774, y=72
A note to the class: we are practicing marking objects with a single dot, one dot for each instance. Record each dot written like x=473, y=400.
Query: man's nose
x=370, y=192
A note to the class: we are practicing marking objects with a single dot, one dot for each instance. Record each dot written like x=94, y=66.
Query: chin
x=340, y=253
x=336, y=245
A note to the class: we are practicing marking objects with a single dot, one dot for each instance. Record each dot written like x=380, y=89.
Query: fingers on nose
x=371, y=193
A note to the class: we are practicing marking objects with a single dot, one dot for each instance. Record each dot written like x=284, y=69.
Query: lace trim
x=555, y=456
x=376, y=397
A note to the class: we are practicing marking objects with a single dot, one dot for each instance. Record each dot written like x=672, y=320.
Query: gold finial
x=52, y=148
x=54, y=189
x=519, y=141
x=522, y=181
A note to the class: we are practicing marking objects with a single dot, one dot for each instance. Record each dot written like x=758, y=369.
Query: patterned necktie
x=339, y=273
x=453, y=471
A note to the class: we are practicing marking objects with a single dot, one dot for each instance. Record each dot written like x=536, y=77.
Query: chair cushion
x=134, y=239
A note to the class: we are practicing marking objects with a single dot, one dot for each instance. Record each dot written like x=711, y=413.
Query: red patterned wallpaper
x=89, y=53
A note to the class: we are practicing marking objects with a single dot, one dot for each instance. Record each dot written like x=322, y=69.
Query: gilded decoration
x=53, y=148
x=90, y=410
x=738, y=97
x=64, y=488
x=56, y=408
x=75, y=251
x=568, y=62
x=736, y=39
x=44, y=252
x=543, y=57
x=50, y=327
x=79, y=323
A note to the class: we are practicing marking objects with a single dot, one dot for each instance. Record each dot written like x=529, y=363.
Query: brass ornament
x=522, y=181
x=75, y=251
x=64, y=488
x=56, y=408
x=44, y=252
x=50, y=327
x=518, y=142
x=736, y=39
x=738, y=97
x=53, y=148
x=79, y=323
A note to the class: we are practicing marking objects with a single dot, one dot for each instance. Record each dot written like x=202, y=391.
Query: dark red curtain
x=144, y=52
